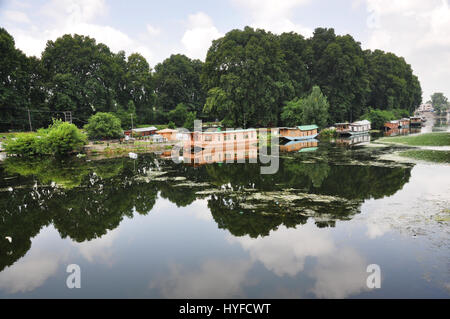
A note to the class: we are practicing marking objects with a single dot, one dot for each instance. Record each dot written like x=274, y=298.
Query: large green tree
x=440, y=102
x=246, y=70
x=81, y=76
x=338, y=67
x=310, y=110
x=177, y=80
x=21, y=87
x=392, y=82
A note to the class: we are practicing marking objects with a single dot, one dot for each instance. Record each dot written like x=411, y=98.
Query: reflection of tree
x=93, y=197
x=316, y=172
x=66, y=174
x=228, y=215
x=22, y=217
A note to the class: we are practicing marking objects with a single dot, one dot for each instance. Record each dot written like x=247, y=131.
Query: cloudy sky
x=415, y=29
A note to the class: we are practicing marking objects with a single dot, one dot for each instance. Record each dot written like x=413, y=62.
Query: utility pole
x=131, y=124
x=29, y=120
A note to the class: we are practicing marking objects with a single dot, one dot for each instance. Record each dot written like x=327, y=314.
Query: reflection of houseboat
x=355, y=128
x=416, y=121
x=299, y=133
x=404, y=123
x=397, y=131
x=354, y=139
x=232, y=153
x=392, y=125
x=300, y=146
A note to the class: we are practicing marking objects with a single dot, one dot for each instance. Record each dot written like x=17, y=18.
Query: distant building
x=169, y=134
x=426, y=107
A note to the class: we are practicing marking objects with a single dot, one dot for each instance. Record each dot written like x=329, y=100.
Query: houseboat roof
x=308, y=127
x=346, y=123
x=167, y=130
x=363, y=122
x=227, y=131
x=145, y=129
x=301, y=128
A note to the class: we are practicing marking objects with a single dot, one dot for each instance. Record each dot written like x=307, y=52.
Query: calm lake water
x=150, y=228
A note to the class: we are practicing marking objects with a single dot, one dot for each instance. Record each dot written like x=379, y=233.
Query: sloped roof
x=145, y=129
x=166, y=130
x=307, y=127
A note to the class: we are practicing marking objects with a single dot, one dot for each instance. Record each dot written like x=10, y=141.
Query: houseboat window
x=208, y=138
x=246, y=137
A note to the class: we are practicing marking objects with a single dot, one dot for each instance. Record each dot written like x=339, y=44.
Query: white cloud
x=16, y=16
x=273, y=16
x=153, y=31
x=418, y=31
x=199, y=35
x=57, y=18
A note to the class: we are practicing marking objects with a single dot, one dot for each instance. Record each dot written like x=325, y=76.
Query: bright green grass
x=428, y=155
x=429, y=139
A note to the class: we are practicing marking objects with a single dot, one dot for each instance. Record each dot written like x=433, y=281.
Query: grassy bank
x=429, y=139
x=428, y=155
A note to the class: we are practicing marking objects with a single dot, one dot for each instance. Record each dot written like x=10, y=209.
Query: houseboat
x=404, y=123
x=415, y=121
x=391, y=125
x=299, y=133
x=220, y=138
x=355, y=128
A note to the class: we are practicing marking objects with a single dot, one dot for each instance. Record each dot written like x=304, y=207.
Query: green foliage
x=246, y=70
x=61, y=138
x=328, y=133
x=189, y=122
x=177, y=80
x=428, y=155
x=379, y=117
x=392, y=82
x=171, y=125
x=428, y=139
x=440, y=102
x=103, y=126
x=179, y=114
x=311, y=110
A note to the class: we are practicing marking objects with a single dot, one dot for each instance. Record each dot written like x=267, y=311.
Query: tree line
x=250, y=78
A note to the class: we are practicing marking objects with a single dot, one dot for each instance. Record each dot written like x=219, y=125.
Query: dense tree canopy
x=440, y=102
x=177, y=80
x=248, y=77
x=245, y=69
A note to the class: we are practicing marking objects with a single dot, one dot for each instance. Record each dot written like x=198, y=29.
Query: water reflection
x=86, y=201
x=353, y=140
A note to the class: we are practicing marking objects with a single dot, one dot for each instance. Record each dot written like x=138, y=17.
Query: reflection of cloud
x=338, y=271
x=100, y=248
x=340, y=274
x=413, y=208
x=285, y=250
x=30, y=272
x=39, y=264
x=214, y=279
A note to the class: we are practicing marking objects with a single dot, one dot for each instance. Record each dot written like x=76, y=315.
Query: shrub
x=59, y=139
x=103, y=126
x=171, y=125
